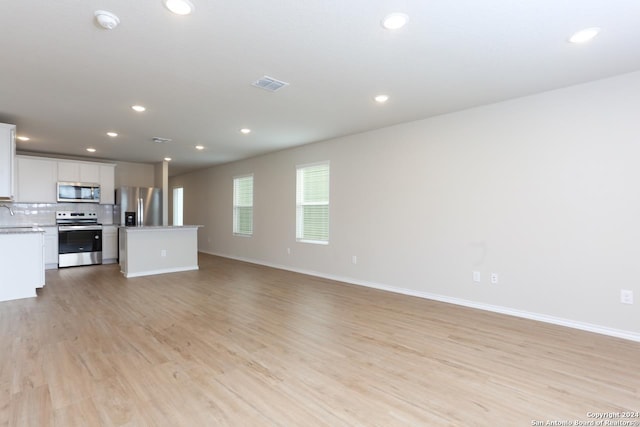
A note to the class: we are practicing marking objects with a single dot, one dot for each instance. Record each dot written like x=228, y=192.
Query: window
x=177, y=206
x=312, y=203
x=243, y=205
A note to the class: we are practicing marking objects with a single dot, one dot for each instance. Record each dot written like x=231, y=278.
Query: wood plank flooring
x=236, y=344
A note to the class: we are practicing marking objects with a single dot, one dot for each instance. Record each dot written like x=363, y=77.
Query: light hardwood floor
x=243, y=345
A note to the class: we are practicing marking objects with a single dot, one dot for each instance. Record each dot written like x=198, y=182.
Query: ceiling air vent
x=159, y=140
x=269, y=83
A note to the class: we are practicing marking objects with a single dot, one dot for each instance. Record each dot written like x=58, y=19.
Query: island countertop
x=156, y=227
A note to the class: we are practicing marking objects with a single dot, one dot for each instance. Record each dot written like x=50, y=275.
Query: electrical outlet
x=288, y=251
x=476, y=276
x=163, y=253
x=494, y=278
x=354, y=259
x=626, y=296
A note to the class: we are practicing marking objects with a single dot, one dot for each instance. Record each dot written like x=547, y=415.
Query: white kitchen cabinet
x=21, y=264
x=109, y=244
x=71, y=171
x=87, y=172
x=68, y=172
x=50, y=247
x=107, y=184
x=36, y=179
x=7, y=154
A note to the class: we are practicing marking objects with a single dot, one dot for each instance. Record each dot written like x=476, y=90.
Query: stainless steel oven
x=79, y=239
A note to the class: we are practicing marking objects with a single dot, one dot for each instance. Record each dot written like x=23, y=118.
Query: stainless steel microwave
x=78, y=192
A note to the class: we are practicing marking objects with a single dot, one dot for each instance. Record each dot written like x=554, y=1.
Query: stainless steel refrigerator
x=138, y=206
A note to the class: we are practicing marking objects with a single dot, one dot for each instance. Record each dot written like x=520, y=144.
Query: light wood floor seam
x=237, y=344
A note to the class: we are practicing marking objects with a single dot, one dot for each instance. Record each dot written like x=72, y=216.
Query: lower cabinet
x=109, y=244
x=21, y=264
x=50, y=247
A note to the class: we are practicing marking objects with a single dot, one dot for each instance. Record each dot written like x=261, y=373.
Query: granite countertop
x=157, y=227
x=28, y=225
x=20, y=230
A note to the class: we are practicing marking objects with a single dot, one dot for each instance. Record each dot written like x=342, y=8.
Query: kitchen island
x=151, y=250
x=21, y=262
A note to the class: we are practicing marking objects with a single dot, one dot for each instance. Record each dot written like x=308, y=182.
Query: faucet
x=10, y=211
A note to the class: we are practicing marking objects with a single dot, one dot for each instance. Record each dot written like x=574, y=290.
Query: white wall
x=129, y=174
x=543, y=190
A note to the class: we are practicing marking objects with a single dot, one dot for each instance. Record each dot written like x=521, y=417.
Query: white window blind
x=312, y=203
x=177, y=206
x=243, y=205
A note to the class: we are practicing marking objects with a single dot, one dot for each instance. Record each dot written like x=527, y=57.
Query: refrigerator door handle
x=140, y=211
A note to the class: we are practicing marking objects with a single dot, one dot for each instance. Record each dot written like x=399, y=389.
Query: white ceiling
x=65, y=81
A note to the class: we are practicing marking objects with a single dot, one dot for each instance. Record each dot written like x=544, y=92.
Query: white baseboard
x=604, y=330
x=161, y=271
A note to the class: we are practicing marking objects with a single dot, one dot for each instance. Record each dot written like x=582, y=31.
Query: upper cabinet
x=94, y=173
x=7, y=154
x=107, y=184
x=37, y=178
x=69, y=171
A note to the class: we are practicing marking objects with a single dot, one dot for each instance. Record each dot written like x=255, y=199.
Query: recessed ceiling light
x=245, y=130
x=112, y=134
x=381, y=99
x=179, y=7
x=138, y=108
x=585, y=35
x=168, y=159
x=23, y=138
x=106, y=19
x=199, y=147
x=395, y=21
x=91, y=150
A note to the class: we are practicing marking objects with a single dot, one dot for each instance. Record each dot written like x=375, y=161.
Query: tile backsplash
x=44, y=214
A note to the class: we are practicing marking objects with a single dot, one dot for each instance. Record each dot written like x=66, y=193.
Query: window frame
x=300, y=204
x=235, y=226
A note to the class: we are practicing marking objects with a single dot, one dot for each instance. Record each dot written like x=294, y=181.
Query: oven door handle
x=79, y=227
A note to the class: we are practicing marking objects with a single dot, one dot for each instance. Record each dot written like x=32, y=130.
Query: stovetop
x=70, y=217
